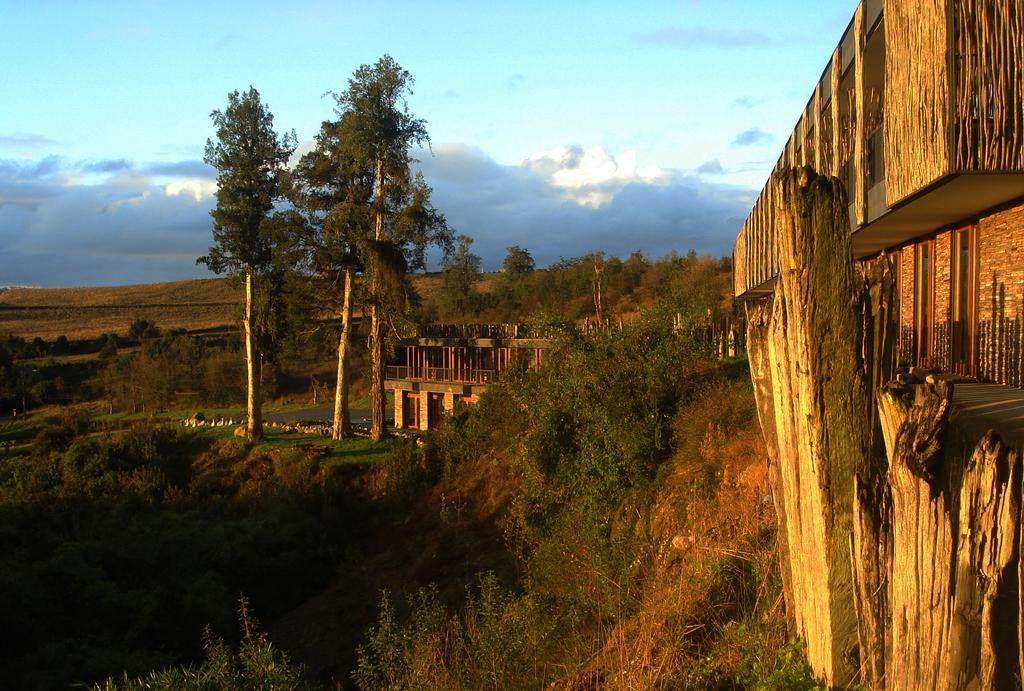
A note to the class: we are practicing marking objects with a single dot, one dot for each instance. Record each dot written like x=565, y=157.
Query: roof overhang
x=952, y=200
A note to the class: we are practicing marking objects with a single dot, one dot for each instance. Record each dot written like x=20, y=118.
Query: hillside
x=80, y=313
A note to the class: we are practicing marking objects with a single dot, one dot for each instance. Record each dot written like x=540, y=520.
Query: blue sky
x=561, y=126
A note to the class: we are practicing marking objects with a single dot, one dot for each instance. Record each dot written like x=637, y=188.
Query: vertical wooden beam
x=858, y=195
x=801, y=137
x=816, y=108
x=837, y=73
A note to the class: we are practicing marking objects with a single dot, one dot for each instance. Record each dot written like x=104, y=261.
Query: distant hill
x=195, y=305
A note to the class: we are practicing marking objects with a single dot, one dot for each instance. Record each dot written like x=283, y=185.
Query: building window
x=924, y=302
x=964, y=300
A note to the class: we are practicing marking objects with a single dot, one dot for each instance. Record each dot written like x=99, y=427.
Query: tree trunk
x=377, y=397
x=956, y=531
x=254, y=403
x=759, y=315
x=341, y=427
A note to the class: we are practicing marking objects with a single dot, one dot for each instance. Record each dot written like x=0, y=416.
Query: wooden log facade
x=920, y=114
x=900, y=545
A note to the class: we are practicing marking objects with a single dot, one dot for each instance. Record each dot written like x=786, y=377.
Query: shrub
x=257, y=664
x=57, y=432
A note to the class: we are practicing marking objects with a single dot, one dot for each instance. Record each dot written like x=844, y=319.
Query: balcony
x=478, y=332
x=905, y=114
x=441, y=375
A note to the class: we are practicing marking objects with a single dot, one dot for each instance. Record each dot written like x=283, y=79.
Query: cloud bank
x=117, y=222
x=570, y=201
x=99, y=223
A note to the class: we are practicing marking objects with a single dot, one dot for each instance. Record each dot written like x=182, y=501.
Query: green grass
x=352, y=450
x=16, y=430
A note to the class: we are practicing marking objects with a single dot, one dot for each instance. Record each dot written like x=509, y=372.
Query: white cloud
x=197, y=188
x=592, y=177
x=547, y=204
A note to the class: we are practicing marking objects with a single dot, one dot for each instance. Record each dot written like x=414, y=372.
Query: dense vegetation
x=687, y=283
x=599, y=522
x=625, y=463
x=117, y=549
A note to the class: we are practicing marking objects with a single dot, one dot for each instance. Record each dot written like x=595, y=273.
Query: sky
x=562, y=127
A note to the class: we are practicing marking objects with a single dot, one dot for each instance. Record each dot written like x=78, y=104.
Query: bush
x=491, y=644
x=256, y=665
x=142, y=329
x=120, y=548
x=57, y=432
x=108, y=350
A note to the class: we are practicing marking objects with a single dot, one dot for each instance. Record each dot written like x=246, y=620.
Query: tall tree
x=518, y=262
x=249, y=157
x=461, y=272
x=332, y=189
x=517, y=265
x=379, y=132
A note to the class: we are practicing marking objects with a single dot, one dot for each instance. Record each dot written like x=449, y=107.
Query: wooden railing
x=441, y=375
x=492, y=331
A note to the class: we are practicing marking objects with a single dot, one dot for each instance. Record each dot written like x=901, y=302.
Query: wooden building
x=920, y=111
x=449, y=363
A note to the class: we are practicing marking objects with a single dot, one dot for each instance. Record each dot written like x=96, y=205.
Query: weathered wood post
x=871, y=542
x=814, y=405
x=954, y=578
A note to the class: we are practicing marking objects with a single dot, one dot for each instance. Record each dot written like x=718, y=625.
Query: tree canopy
x=249, y=157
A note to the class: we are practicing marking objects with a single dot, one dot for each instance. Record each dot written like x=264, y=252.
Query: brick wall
x=1001, y=295
x=906, y=345
x=943, y=300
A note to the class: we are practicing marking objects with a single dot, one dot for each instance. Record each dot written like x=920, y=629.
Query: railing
x=496, y=331
x=441, y=375
x=725, y=337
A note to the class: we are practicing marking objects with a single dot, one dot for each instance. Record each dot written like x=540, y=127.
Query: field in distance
x=81, y=313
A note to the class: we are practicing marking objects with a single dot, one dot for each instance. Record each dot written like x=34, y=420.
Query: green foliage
x=118, y=549
x=461, y=273
x=743, y=659
x=256, y=665
x=518, y=262
x=689, y=285
x=490, y=644
x=376, y=133
x=58, y=431
x=248, y=156
x=152, y=377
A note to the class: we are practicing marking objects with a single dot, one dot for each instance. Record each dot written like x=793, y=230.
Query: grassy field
x=80, y=313
x=16, y=436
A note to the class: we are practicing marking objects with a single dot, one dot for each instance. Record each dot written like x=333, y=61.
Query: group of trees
x=175, y=368
x=350, y=207
x=592, y=286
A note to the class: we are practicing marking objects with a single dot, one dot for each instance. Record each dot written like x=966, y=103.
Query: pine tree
x=249, y=157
